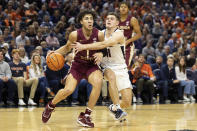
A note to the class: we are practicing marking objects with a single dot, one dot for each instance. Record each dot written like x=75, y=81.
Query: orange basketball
x=55, y=61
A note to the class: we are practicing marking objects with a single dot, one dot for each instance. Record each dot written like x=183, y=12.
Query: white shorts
x=122, y=77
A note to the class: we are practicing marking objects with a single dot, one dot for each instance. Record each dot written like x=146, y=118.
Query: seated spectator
x=149, y=51
x=52, y=41
x=189, y=86
x=168, y=77
x=19, y=75
x=22, y=38
x=194, y=43
x=43, y=12
x=194, y=67
x=47, y=22
x=6, y=81
x=38, y=39
x=23, y=56
x=158, y=64
x=36, y=71
x=165, y=53
x=45, y=49
x=7, y=36
x=171, y=42
x=40, y=52
x=143, y=77
x=191, y=59
x=56, y=78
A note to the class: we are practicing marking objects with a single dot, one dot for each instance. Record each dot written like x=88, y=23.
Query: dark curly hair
x=85, y=12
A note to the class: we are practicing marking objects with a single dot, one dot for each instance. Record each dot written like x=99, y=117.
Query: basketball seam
x=53, y=64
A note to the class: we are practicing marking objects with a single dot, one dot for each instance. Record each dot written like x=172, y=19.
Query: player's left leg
x=126, y=95
x=95, y=79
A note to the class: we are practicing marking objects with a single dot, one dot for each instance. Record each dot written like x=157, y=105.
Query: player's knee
x=111, y=78
x=97, y=82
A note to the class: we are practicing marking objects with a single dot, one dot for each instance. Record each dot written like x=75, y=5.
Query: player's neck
x=86, y=33
x=109, y=31
x=123, y=17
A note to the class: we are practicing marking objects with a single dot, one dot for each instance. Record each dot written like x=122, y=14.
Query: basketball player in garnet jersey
x=114, y=41
x=83, y=66
x=131, y=29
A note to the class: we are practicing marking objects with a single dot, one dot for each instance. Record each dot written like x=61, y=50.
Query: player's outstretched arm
x=67, y=48
x=116, y=38
x=136, y=27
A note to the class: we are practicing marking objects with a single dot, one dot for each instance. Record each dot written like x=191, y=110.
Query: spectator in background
x=45, y=49
x=43, y=12
x=40, y=52
x=36, y=72
x=156, y=31
x=168, y=77
x=189, y=85
x=22, y=38
x=7, y=36
x=19, y=75
x=23, y=56
x=194, y=43
x=143, y=77
x=47, y=22
x=38, y=38
x=149, y=51
x=6, y=81
x=158, y=64
x=52, y=41
x=165, y=53
x=191, y=58
x=6, y=53
x=171, y=42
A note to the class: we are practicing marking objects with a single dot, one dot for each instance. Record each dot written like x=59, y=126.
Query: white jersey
x=116, y=62
x=115, y=55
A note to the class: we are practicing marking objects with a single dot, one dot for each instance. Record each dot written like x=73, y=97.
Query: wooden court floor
x=169, y=117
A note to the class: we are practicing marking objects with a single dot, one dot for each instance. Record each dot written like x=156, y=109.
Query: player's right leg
x=70, y=86
x=113, y=91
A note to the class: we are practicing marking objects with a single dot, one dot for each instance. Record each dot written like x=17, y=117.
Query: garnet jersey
x=86, y=56
x=128, y=33
x=126, y=26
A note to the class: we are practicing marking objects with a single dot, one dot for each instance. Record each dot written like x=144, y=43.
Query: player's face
x=124, y=9
x=87, y=22
x=111, y=21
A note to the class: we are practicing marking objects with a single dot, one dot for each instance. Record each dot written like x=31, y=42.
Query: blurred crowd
x=29, y=29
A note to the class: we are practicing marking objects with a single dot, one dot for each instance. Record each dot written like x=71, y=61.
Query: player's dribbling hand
x=98, y=58
x=78, y=46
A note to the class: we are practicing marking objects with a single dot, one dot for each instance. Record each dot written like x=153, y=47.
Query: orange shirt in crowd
x=7, y=22
x=193, y=45
x=146, y=70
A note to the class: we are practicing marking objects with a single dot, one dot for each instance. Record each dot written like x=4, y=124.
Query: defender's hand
x=98, y=58
x=78, y=46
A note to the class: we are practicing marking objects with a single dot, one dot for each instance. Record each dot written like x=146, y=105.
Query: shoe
x=192, y=99
x=2, y=103
x=85, y=120
x=21, y=102
x=139, y=100
x=31, y=102
x=134, y=99
x=41, y=102
x=111, y=110
x=167, y=101
x=120, y=114
x=10, y=103
x=185, y=99
x=47, y=113
x=74, y=103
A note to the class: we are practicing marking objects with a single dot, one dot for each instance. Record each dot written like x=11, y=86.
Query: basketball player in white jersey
x=115, y=43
